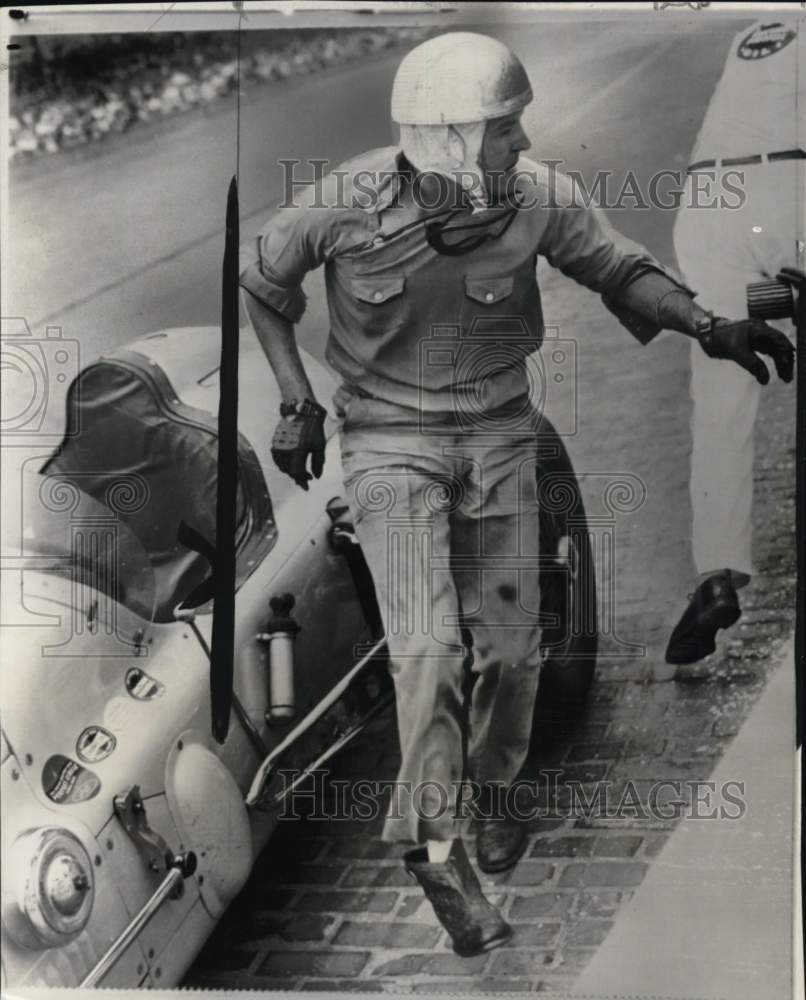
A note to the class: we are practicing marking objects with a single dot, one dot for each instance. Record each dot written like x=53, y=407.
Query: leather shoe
x=714, y=605
x=452, y=888
x=500, y=843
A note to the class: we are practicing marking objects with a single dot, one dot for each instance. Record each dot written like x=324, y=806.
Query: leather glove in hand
x=743, y=340
x=300, y=433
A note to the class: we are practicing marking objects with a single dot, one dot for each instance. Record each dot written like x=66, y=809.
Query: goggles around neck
x=454, y=239
x=445, y=231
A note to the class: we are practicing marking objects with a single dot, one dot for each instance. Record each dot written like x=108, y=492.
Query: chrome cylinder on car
x=279, y=636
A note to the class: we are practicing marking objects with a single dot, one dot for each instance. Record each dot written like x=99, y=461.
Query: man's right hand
x=300, y=433
x=743, y=340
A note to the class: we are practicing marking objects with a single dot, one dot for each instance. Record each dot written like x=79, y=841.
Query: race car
x=127, y=828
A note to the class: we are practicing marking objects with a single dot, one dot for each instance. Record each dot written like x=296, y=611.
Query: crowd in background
x=68, y=92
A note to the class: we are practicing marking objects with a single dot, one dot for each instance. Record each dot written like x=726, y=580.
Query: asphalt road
x=117, y=241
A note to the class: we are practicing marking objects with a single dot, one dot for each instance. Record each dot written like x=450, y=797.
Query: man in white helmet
x=438, y=442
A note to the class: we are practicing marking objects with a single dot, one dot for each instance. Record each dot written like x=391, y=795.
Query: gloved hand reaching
x=743, y=340
x=300, y=433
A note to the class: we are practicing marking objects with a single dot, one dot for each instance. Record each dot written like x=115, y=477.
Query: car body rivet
x=29, y=758
x=150, y=952
x=15, y=775
x=110, y=845
x=180, y=745
x=97, y=860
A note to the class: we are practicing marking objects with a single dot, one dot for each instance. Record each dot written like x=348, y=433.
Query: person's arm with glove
x=658, y=299
x=296, y=240
x=300, y=434
x=647, y=297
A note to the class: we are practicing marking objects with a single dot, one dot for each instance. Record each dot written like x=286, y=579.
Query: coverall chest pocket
x=379, y=302
x=505, y=310
x=376, y=290
x=486, y=304
x=489, y=291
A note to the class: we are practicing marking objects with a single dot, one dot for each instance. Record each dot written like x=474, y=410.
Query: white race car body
x=99, y=695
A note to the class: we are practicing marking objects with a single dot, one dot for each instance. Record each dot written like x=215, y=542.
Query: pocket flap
x=488, y=290
x=378, y=289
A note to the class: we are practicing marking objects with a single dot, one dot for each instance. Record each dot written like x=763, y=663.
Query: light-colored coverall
x=758, y=108
x=438, y=446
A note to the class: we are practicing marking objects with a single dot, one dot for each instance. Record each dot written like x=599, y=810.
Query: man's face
x=504, y=139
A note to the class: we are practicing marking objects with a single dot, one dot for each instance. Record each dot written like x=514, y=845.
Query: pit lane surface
x=129, y=241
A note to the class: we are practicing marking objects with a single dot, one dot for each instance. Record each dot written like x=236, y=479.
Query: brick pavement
x=329, y=907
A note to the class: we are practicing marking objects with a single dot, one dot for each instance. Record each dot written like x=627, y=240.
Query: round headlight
x=49, y=890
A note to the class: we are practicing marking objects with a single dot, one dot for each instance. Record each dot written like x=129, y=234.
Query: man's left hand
x=743, y=340
x=300, y=434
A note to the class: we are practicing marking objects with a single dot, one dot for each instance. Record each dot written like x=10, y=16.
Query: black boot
x=500, y=839
x=500, y=843
x=714, y=605
x=453, y=889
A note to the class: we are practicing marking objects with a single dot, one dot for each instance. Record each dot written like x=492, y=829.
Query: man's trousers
x=720, y=250
x=448, y=523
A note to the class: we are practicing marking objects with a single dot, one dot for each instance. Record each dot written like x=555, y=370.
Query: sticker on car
x=65, y=780
x=94, y=744
x=141, y=686
x=765, y=41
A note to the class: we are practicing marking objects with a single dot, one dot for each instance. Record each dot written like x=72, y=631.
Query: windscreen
x=67, y=533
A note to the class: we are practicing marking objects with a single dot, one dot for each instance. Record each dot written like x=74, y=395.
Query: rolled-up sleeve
x=274, y=263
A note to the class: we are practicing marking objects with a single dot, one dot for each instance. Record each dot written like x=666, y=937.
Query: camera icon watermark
x=35, y=376
x=502, y=378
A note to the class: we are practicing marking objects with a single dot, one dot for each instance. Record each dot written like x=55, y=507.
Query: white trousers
x=720, y=250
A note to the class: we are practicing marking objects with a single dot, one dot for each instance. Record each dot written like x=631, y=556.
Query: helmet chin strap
x=454, y=151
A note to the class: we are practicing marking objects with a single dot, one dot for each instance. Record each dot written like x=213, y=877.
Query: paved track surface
x=129, y=240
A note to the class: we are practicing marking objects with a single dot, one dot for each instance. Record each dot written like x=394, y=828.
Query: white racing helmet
x=458, y=78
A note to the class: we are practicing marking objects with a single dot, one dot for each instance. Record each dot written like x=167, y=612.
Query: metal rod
x=163, y=891
x=345, y=738
x=197, y=632
x=250, y=728
x=313, y=716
